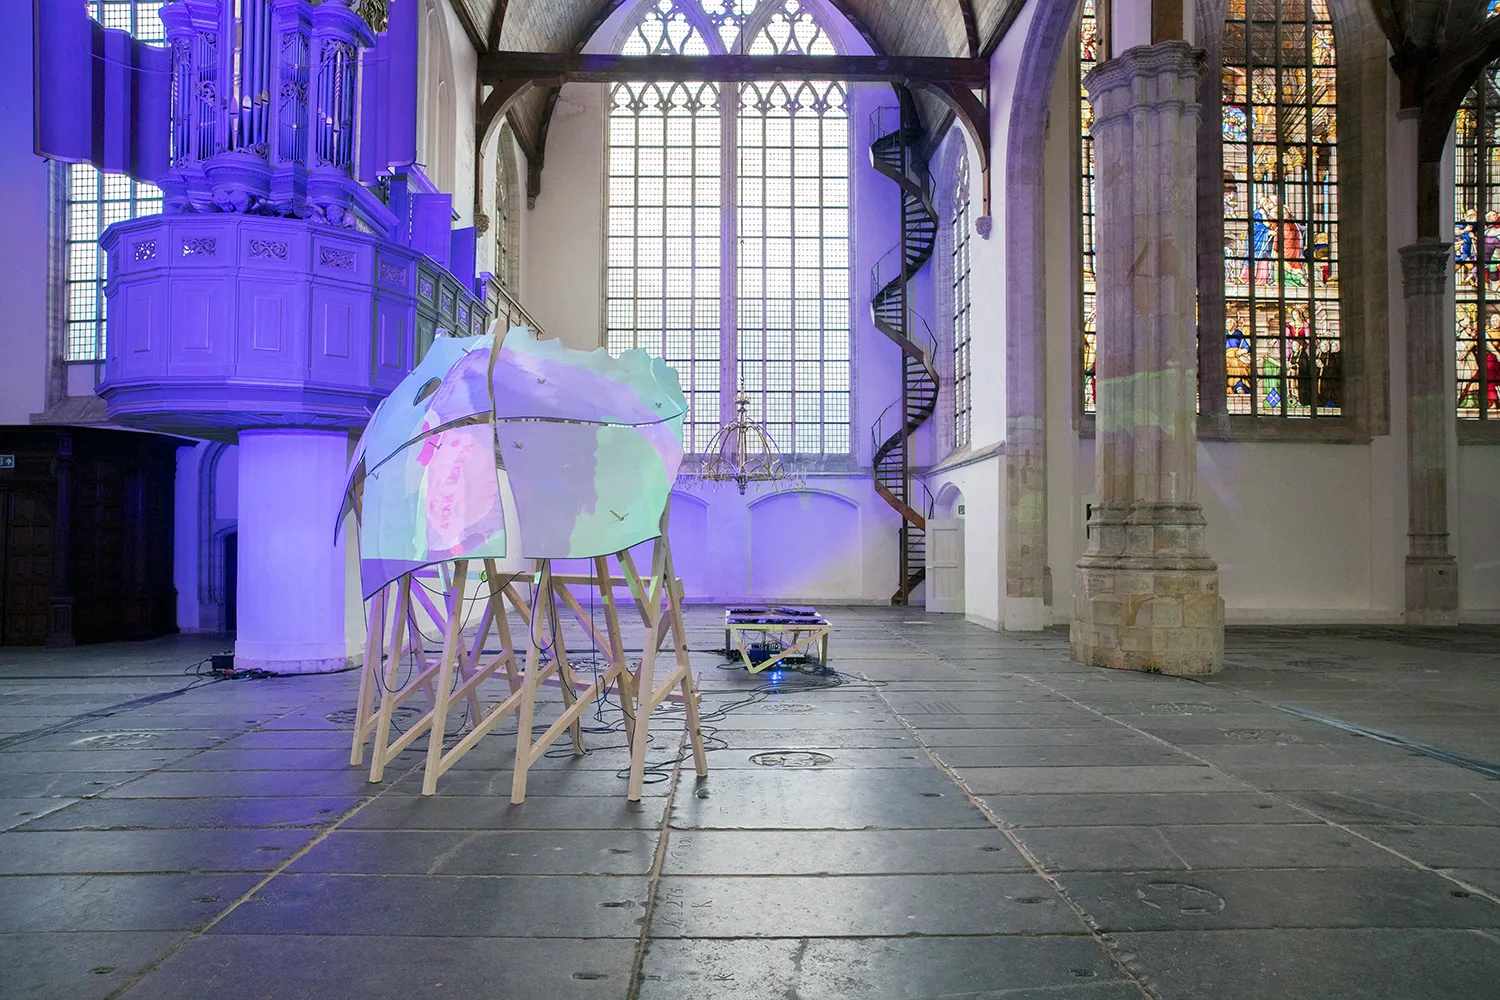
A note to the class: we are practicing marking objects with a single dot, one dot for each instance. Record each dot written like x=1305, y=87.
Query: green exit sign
x=7, y=461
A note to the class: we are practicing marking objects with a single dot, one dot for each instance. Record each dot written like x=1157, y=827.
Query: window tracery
x=728, y=224
x=962, y=329
x=96, y=200
x=1283, y=338
x=1476, y=248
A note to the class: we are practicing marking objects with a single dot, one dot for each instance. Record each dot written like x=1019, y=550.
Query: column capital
x=1176, y=64
x=1424, y=267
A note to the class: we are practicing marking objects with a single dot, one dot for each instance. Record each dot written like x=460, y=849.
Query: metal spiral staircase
x=895, y=153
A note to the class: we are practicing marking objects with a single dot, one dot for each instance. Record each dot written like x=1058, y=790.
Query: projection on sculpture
x=423, y=479
x=591, y=445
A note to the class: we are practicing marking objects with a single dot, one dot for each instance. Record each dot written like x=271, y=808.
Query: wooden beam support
x=915, y=71
x=974, y=116
x=497, y=24
x=971, y=27
x=472, y=30
x=1002, y=26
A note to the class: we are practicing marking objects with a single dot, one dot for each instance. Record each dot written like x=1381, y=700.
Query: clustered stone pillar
x=1431, y=570
x=1146, y=595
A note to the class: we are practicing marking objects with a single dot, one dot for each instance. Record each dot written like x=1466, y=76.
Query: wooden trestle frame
x=457, y=673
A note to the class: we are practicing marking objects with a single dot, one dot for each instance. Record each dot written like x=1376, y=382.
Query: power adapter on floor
x=221, y=664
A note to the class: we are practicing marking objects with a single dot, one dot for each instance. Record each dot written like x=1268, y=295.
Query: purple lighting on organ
x=280, y=297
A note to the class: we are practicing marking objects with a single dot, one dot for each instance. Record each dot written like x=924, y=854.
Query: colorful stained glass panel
x=1283, y=344
x=1476, y=248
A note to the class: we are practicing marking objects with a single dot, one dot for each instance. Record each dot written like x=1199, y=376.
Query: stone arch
x=439, y=122
x=1027, y=583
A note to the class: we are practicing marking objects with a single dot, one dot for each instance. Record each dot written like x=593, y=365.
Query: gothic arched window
x=1088, y=57
x=507, y=197
x=1283, y=343
x=728, y=224
x=1476, y=247
x=96, y=200
x=963, y=408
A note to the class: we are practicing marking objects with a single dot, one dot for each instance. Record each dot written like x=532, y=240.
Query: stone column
x=1431, y=570
x=1146, y=594
x=291, y=562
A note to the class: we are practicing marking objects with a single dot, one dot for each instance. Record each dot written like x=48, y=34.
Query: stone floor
x=974, y=816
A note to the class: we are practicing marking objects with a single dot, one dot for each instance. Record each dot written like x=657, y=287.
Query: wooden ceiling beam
x=497, y=25
x=556, y=69
x=1002, y=26
x=971, y=26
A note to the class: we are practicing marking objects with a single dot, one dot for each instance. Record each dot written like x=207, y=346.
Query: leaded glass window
x=738, y=277
x=1476, y=248
x=1088, y=57
x=96, y=200
x=1283, y=346
x=507, y=242
x=962, y=401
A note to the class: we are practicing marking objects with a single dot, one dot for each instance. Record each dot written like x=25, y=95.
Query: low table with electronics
x=804, y=627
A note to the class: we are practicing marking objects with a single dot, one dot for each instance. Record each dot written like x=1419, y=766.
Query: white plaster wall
x=1477, y=532
x=984, y=544
x=446, y=146
x=563, y=240
x=23, y=250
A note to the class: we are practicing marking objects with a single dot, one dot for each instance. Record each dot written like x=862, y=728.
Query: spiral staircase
x=895, y=153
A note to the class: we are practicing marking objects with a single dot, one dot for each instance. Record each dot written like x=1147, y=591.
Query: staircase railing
x=896, y=135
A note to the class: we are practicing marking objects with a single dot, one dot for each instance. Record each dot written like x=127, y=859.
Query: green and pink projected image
x=537, y=449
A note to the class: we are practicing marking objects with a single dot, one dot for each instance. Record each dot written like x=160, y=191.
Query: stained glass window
x=1476, y=248
x=1088, y=57
x=962, y=224
x=1283, y=349
x=775, y=224
x=95, y=200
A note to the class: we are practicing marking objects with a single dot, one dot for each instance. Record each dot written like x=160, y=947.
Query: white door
x=945, y=565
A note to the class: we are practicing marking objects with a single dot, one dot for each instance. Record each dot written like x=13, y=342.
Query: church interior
x=996, y=498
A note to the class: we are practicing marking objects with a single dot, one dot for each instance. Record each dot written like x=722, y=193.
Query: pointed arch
x=728, y=223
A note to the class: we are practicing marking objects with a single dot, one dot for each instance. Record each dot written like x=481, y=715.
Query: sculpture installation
x=525, y=451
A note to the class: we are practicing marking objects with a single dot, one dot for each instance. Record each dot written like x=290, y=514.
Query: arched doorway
x=945, y=553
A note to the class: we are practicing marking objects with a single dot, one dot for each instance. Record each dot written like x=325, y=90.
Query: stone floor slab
x=195, y=814
x=896, y=798
x=1440, y=846
x=31, y=904
x=251, y=967
x=14, y=812
x=443, y=906
x=859, y=906
x=842, y=852
x=1057, y=968
x=1060, y=756
x=121, y=851
x=78, y=965
x=1324, y=964
x=416, y=812
x=1217, y=900
x=1144, y=809
x=1185, y=777
x=521, y=852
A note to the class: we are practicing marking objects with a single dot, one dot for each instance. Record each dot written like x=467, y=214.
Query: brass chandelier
x=741, y=452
